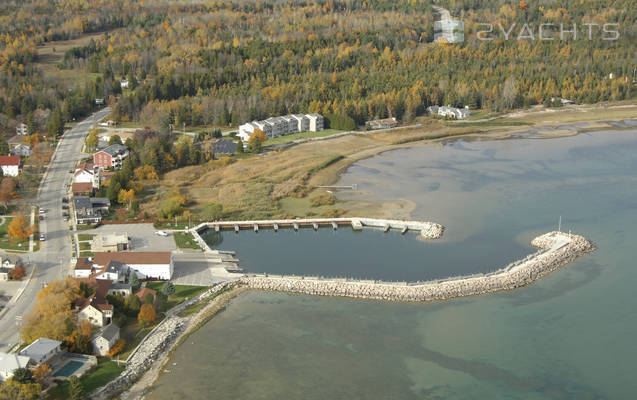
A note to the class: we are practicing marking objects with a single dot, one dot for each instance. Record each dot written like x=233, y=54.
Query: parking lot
x=142, y=236
x=194, y=268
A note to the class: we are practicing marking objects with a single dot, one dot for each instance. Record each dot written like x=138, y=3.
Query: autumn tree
x=117, y=347
x=14, y=390
x=41, y=373
x=92, y=140
x=19, y=229
x=255, y=143
x=18, y=273
x=7, y=190
x=52, y=315
x=146, y=315
x=126, y=197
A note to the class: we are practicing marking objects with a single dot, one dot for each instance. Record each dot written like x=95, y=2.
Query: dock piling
x=236, y=228
x=256, y=227
x=334, y=225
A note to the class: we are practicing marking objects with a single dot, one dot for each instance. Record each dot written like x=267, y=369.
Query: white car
x=161, y=233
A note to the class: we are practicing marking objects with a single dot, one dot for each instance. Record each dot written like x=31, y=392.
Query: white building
x=105, y=339
x=279, y=126
x=10, y=165
x=446, y=111
x=124, y=83
x=87, y=173
x=11, y=362
x=42, y=350
x=148, y=264
x=21, y=129
x=316, y=122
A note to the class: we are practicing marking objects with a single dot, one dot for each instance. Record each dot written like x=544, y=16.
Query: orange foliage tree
x=146, y=315
x=117, y=347
x=18, y=229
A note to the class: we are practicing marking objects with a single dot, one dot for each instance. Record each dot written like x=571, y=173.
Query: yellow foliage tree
x=52, y=315
x=146, y=315
x=18, y=229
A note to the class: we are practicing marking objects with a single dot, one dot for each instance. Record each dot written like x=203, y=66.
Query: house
x=119, y=288
x=124, y=83
x=105, y=339
x=10, y=165
x=21, y=129
x=157, y=265
x=293, y=124
x=11, y=362
x=141, y=294
x=111, y=157
x=224, y=147
x=316, y=122
x=89, y=210
x=21, y=149
x=42, y=350
x=83, y=268
x=95, y=308
x=446, y=111
x=110, y=242
x=88, y=173
x=382, y=123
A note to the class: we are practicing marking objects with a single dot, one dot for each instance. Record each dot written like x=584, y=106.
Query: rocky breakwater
x=557, y=249
x=149, y=350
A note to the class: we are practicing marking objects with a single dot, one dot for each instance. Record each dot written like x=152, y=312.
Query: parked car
x=161, y=233
x=66, y=218
x=42, y=237
x=41, y=217
x=42, y=211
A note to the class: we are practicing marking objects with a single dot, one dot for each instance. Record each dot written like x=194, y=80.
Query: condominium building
x=285, y=125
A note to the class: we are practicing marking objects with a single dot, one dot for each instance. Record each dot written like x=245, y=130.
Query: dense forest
x=222, y=63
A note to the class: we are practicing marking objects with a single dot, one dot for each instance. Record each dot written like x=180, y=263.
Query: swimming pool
x=69, y=368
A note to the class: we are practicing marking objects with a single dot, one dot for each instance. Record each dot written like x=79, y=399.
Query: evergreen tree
x=76, y=390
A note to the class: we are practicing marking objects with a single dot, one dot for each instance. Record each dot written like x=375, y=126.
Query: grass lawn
x=132, y=332
x=7, y=243
x=86, y=253
x=182, y=293
x=185, y=240
x=301, y=135
x=85, y=246
x=84, y=236
x=105, y=371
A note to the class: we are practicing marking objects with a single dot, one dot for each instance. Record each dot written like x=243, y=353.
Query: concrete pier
x=556, y=249
x=236, y=228
x=404, y=229
x=386, y=228
x=275, y=226
x=217, y=228
x=334, y=225
x=357, y=225
x=256, y=227
x=296, y=226
x=315, y=226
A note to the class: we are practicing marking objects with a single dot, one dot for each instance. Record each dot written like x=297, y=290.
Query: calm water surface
x=569, y=336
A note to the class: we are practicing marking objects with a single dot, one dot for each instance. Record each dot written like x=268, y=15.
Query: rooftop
x=40, y=348
x=139, y=257
x=109, y=332
x=115, y=149
x=9, y=160
x=11, y=362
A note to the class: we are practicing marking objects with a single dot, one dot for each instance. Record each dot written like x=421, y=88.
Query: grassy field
x=85, y=237
x=105, y=371
x=185, y=240
x=7, y=243
x=282, y=183
x=182, y=293
x=301, y=135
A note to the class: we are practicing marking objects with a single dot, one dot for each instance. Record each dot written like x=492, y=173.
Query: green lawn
x=132, y=332
x=105, y=371
x=182, y=293
x=301, y=135
x=6, y=242
x=185, y=240
x=85, y=246
x=86, y=253
x=84, y=236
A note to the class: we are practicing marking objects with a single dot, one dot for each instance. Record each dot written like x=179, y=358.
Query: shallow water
x=568, y=336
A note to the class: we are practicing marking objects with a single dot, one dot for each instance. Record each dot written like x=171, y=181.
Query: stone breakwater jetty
x=428, y=230
x=556, y=249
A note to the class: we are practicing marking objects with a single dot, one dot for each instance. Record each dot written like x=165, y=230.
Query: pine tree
x=75, y=389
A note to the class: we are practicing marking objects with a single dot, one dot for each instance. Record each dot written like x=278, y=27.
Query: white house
x=10, y=165
x=446, y=111
x=11, y=362
x=42, y=350
x=21, y=129
x=105, y=339
x=148, y=264
x=124, y=83
x=87, y=173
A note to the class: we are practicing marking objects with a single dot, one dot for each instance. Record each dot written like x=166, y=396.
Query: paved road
x=54, y=257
